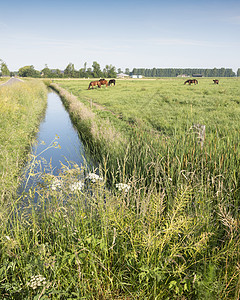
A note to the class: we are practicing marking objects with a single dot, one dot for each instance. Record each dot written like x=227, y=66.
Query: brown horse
x=103, y=81
x=94, y=83
x=194, y=81
x=216, y=81
x=190, y=81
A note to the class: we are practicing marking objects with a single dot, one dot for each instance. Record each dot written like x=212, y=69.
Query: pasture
x=158, y=124
x=163, y=221
x=166, y=105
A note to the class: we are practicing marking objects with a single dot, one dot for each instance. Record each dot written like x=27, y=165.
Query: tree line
x=173, y=72
x=110, y=71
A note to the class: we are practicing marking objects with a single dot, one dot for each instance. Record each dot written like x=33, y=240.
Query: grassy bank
x=21, y=107
x=169, y=226
x=98, y=135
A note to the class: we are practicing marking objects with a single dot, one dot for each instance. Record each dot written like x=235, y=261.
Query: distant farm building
x=197, y=75
x=136, y=76
x=183, y=75
x=122, y=75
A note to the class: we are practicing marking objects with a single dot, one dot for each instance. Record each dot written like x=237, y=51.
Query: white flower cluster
x=56, y=184
x=123, y=187
x=76, y=186
x=37, y=281
x=94, y=177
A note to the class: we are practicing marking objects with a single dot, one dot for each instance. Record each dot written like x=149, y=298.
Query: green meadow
x=166, y=105
x=160, y=221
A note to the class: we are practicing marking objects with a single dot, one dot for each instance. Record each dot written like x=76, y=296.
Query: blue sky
x=126, y=33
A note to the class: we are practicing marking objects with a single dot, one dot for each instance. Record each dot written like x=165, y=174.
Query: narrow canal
x=57, y=143
x=58, y=126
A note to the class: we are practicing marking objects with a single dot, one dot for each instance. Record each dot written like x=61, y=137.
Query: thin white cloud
x=235, y=20
x=3, y=26
x=182, y=42
x=179, y=42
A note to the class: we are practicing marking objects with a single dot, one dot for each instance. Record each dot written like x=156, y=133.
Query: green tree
x=46, y=72
x=112, y=72
x=109, y=71
x=28, y=71
x=96, y=70
x=106, y=71
x=154, y=72
x=4, y=69
x=69, y=71
x=89, y=73
x=58, y=73
x=134, y=71
x=238, y=72
x=83, y=71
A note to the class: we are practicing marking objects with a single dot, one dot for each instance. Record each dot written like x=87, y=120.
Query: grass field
x=161, y=221
x=156, y=118
x=167, y=105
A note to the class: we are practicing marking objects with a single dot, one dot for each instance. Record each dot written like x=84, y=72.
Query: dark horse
x=94, y=83
x=111, y=81
x=190, y=81
x=216, y=81
x=103, y=81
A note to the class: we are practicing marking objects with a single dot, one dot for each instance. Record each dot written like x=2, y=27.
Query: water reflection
x=57, y=144
x=57, y=123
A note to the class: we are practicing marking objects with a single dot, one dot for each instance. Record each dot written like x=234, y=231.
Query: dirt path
x=11, y=81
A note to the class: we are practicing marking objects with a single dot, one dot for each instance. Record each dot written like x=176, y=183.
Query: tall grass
x=98, y=244
x=21, y=107
x=172, y=234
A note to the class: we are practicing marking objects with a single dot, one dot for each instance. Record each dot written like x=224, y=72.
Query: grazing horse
x=216, y=81
x=103, y=81
x=190, y=81
x=111, y=81
x=94, y=83
x=194, y=81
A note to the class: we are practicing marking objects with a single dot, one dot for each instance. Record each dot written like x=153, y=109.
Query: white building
x=122, y=75
x=136, y=76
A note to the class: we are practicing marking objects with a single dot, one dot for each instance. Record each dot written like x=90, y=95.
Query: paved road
x=12, y=81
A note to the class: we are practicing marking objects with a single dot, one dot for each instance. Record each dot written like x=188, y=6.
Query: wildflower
x=123, y=187
x=76, y=186
x=7, y=237
x=94, y=177
x=37, y=281
x=56, y=184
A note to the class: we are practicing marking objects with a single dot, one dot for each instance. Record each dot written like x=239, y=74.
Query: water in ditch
x=58, y=148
